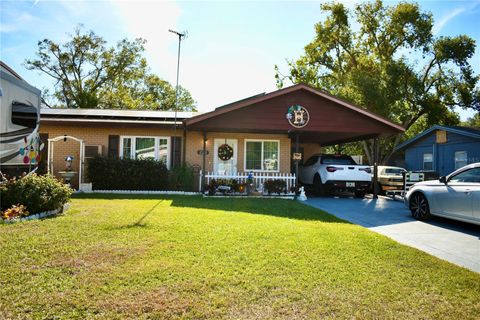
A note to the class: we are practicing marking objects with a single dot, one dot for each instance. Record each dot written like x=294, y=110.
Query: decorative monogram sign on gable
x=297, y=116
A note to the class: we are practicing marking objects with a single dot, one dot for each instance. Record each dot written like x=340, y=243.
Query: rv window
x=24, y=115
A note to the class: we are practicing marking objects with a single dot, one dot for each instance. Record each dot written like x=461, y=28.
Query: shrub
x=212, y=186
x=182, y=178
x=127, y=174
x=36, y=193
x=275, y=186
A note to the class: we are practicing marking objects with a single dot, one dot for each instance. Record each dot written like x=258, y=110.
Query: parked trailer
x=20, y=142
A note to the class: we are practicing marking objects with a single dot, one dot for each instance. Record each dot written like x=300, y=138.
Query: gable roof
x=298, y=87
x=464, y=131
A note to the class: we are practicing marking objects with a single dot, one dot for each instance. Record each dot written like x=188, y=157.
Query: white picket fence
x=259, y=178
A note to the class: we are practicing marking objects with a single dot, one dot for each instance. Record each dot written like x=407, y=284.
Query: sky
x=231, y=47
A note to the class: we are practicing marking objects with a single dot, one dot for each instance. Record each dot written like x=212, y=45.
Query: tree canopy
x=473, y=121
x=88, y=74
x=386, y=59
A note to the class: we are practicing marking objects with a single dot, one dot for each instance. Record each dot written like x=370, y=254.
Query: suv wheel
x=318, y=185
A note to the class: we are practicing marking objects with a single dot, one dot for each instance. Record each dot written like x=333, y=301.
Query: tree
x=392, y=65
x=473, y=121
x=87, y=74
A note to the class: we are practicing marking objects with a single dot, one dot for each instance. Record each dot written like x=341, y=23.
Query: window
x=394, y=171
x=472, y=175
x=127, y=148
x=311, y=161
x=261, y=155
x=154, y=148
x=340, y=160
x=163, y=148
x=24, y=115
x=460, y=159
x=92, y=151
x=145, y=148
x=427, y=161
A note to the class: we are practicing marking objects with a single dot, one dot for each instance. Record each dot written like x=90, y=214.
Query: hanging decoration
x=31, y=150
x=225, y=152
x=297, y=116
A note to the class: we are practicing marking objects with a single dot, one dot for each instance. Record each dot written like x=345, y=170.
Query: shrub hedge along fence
x=128, y=174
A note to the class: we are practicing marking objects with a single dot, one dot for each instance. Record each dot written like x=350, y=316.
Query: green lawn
x=190, y=257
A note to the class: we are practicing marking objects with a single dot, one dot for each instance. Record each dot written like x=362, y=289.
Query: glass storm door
x=225, y=167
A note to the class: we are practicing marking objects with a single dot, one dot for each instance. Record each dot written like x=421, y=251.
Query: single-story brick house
x=441, y=149
x=263, y=132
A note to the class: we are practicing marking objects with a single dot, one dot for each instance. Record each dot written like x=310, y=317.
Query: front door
x=224, y=162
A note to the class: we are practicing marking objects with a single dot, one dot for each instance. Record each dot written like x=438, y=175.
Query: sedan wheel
x=419, y=207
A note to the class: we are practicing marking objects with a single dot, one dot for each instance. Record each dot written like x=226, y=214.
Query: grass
x=190, y=257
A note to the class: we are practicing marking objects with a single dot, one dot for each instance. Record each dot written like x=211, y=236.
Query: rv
x=19, y=120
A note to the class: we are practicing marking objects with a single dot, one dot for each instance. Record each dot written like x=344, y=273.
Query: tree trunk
x=368, y=150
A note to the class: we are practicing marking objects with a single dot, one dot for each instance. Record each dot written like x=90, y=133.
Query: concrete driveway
x=453, y=241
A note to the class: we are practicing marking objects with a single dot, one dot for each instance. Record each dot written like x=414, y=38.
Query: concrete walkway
x=446, y=239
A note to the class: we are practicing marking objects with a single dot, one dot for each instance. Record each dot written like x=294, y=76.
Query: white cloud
x=151, y=20
x=217, y=82
x=448, y=17
x=20, y=21
x=7, y=28
x=445, y=19
x=215, y=73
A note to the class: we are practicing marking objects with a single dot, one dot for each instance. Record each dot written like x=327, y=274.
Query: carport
x=306, y=115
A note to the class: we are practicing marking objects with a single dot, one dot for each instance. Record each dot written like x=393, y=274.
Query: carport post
x=375, y=168
x=204, y=151
x=297, y=147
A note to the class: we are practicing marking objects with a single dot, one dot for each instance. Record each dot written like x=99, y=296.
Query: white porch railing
x=259, y=179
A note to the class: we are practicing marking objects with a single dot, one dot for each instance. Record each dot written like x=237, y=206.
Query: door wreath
x=225, y=152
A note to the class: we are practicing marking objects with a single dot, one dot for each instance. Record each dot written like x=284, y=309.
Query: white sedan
x=456, y=196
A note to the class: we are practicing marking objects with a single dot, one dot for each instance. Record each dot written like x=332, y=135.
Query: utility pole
x=181, y=35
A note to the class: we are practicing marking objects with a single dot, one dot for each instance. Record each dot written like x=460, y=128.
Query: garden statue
x=68, y=173
x=250, y=186
x=68, y=163
x=302, y=196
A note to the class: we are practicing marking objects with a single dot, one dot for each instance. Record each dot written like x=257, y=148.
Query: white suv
x=328, y=172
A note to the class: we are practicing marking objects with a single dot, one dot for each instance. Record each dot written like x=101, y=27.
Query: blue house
x=442, y=149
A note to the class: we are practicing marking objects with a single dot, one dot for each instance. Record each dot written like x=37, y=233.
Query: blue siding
x=443, y=154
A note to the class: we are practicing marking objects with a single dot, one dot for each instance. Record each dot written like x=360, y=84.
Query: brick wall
x=90, y=136
x=194, y=143
x=310, y=149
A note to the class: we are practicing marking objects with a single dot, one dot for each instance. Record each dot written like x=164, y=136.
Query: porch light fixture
x=181, y=35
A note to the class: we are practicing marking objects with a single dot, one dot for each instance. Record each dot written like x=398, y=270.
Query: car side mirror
x=443, y=179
